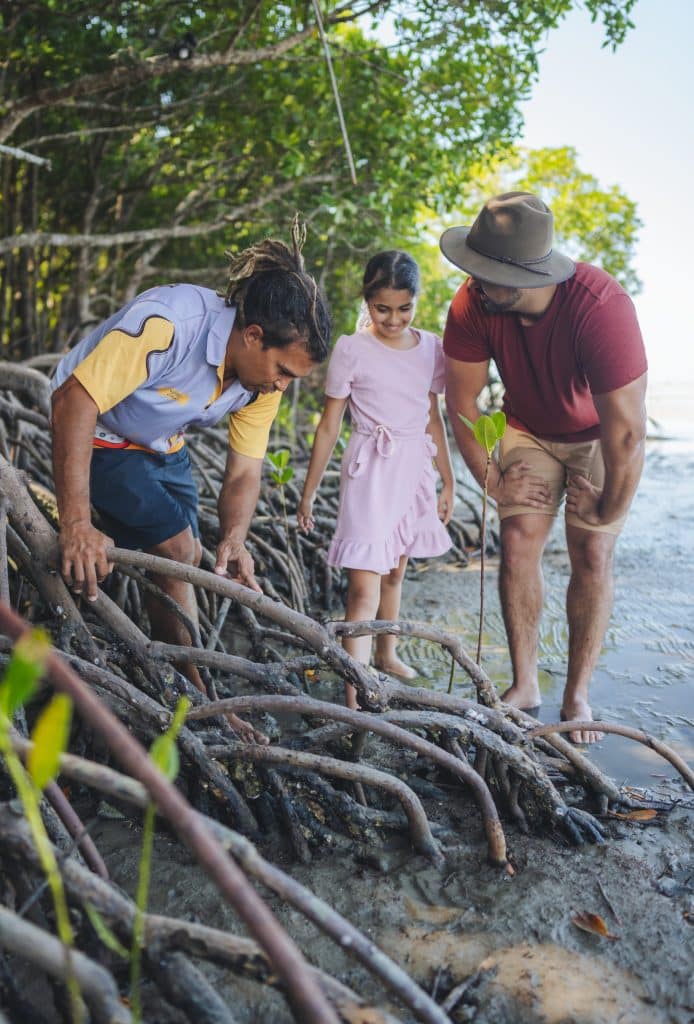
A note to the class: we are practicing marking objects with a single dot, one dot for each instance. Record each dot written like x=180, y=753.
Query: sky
x=629, y=116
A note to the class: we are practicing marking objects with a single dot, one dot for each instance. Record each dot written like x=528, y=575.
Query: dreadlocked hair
x=270, y=287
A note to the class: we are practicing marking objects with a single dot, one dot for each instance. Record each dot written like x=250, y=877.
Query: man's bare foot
x=579, y=710
x=395, y=667
x=245, y=731
x=525, y=698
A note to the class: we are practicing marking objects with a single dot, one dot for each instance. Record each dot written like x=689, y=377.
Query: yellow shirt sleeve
x=249, y=427
x=117, y=366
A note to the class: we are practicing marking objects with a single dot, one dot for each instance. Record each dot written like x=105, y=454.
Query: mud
x=515, y=933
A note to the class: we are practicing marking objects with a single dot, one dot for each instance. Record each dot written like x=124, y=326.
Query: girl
x=390, y=374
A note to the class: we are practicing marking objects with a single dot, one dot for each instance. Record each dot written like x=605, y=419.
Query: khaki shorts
x=554, y=462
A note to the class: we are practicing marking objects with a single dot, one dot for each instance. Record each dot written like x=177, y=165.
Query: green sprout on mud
x=164, y=753
x=280, y=475
x=488, y=431
x=49, y=739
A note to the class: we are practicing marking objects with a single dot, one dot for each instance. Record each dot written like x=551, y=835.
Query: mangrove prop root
x=419, y=826
x=382, y=690
x=304, y=995
x=621, y=730
x=96, y=984
x=186, y=987
x=242, y=955
x=329, y=921
x=68, y=815
x=496, y=843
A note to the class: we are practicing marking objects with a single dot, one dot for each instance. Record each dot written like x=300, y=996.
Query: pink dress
x=387, y=482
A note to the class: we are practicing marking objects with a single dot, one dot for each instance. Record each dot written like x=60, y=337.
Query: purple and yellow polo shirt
x=157, y=366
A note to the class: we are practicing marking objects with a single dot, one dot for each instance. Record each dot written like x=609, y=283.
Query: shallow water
x=645, y=672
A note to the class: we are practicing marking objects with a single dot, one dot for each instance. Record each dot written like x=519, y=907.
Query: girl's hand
x=304, y=515
x=445, y=503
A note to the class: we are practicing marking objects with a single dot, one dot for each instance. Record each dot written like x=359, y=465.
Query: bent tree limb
x=307, y=1001
x=621, y=730
x=369, y=688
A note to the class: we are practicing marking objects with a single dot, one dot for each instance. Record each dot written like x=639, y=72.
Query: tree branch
x=136, y=72
x=21, y=154
x=107, y=241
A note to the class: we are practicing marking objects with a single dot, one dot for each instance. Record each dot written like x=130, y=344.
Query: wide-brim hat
x=510, y=244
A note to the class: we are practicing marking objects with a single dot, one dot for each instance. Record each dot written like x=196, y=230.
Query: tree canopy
x=142, y=139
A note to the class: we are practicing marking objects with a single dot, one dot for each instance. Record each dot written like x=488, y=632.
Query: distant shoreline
x=670, y=408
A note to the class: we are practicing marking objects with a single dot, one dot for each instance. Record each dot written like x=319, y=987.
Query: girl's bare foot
x=395, y=667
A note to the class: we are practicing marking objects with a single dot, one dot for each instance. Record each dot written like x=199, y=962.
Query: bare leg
x=363, y=595
x=385, y=656
x=588, y=606
x=167, y=626
x=521, y=589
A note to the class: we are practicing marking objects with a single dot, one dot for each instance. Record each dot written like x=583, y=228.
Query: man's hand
x=234, y=559
x=583, y=499
x=84, y=562
x=519, y=486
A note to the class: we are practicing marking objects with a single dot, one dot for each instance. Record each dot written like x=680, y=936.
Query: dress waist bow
x=382, y=442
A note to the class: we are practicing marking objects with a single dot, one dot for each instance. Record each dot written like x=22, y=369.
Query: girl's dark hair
x=270, y=287
x=391, y=269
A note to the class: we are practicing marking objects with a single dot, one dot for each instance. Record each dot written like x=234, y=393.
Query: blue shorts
x=143, y=498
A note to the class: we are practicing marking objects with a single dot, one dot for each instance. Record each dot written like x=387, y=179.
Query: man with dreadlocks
x=179, y=356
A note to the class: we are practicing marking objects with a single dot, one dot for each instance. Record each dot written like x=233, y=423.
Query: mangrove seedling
x=49, y=739
x=164, y=753
x=280, y=475
x=488, y=431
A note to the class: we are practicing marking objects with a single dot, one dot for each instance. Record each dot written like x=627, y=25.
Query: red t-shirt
x=588, y=342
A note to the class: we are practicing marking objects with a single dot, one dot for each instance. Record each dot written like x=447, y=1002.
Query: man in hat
x=567, y=345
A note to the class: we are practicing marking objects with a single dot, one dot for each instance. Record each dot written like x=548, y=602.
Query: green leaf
x=24, y=671
x=485, y=432
x=467, y=422
x=179, y=716
x=50, y=738
x=499, y=421
x=164, y=753
x=104, y=933
x=280, y=458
